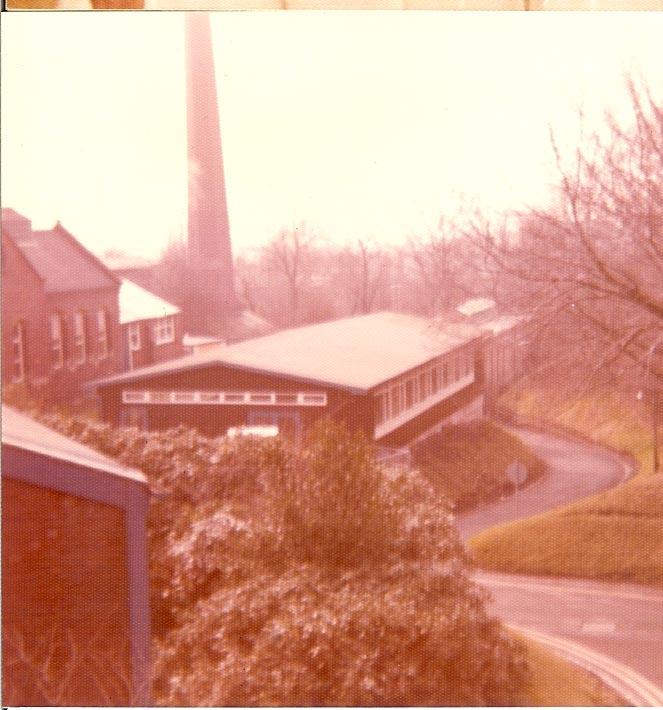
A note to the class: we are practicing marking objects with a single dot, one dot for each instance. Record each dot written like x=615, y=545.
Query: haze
x=366, y=125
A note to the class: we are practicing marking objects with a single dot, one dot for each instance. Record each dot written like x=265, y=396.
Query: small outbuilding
x=397, y=377
x=75, y=602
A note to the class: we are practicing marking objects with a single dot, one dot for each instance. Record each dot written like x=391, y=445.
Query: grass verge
x=615, y=535
x=556, y=682
x=466, y=463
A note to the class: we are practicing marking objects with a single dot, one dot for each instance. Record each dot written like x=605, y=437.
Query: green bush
x=282, y=576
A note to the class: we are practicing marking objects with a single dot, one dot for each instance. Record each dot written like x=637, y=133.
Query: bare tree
x=441, y=268
x=591, y=266
x=289, y=255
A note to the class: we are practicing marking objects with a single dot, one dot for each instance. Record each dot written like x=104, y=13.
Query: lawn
x=615, y=535
x=556, y=682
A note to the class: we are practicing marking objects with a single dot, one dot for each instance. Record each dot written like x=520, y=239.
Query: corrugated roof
x=137, y=303
x=23, y=432
x=356, y=353
x=64, y=264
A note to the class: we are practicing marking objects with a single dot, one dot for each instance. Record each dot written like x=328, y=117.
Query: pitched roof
x=62, y=262
x=25, y=433
x=137, y=303
x=356, y=353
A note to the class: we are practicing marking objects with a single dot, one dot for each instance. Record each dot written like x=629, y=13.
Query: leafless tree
x=441, y=267
x=591, y=266
x=289, y=255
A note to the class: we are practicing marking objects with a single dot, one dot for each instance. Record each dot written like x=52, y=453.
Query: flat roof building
x=392, y=375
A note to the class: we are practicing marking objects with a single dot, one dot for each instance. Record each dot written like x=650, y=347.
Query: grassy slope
x=614, y=535
x=556, y=682
x=467, y=462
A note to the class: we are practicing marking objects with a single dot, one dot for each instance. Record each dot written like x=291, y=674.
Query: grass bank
x=466, y=463
x=615, y=535
x=556, y=682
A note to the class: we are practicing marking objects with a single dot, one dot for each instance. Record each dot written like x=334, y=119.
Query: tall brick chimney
x=209, y=250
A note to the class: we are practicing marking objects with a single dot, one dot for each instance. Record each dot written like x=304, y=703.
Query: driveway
x=622, y=621
x=574, y=470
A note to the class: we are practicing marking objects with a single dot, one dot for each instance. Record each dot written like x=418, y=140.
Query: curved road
x=624, y=622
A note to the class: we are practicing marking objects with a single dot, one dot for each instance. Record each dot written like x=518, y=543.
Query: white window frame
x=216, y=398
x=57, y=341
x=102, y=333
x=18, y=353
x=80, y=340
x=133, y=337
x=164, y=330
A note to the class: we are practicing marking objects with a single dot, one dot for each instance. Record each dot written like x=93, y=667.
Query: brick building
x=75, y=602
x=151, y=327
x=396, y=377
x=60, y=310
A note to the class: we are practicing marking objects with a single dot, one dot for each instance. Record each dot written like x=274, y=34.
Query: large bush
x=310, y=576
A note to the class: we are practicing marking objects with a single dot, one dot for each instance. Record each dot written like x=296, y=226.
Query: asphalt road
x=624, y=622
x=574, y=470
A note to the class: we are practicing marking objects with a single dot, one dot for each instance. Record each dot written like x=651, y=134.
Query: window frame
x=103, y=341
x=80, y=354
x=163, y=330
x=133, y=337
x=56, y=326
x=18, y=352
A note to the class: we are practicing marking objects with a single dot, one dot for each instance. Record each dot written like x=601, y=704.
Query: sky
x=366, y=125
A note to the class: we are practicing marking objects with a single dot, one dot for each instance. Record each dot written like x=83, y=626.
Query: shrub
x=291, y=577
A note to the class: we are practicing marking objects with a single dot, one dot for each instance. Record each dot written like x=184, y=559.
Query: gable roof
x=137, y=303
x=62, y=262
x=23, y=432
x=356, y=353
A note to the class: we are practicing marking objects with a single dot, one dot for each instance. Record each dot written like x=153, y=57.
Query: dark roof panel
x=63, y=263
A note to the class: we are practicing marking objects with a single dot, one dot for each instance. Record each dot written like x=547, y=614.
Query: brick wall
x=65, y=619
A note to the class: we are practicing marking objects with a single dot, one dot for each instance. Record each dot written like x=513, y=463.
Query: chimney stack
x=209, y=250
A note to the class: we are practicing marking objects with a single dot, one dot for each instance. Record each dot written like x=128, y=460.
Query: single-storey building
x=394, y=376
x=75, y=596
x=506, y=342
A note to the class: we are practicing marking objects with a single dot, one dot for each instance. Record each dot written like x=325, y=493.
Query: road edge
x=627, y=683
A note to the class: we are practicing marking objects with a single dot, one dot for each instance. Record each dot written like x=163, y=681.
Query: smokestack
x=209, y=251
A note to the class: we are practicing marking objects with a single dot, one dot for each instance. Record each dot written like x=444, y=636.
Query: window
x=164, y=331
x=233, y=397
x=286, y=398
x=434, y=380
x=80, y=340
x=424, y=385
x=102, y=333
x=317, y=399
x=134, y=337
x=409, y=393
x=18, y=353
x=57, y=342
x=396, y=401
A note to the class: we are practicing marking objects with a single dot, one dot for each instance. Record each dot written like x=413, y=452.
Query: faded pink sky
x=367, y=125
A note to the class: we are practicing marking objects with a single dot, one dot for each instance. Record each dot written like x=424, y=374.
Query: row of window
x=422, y=384
x=80, y=342
x=163, y=331
x=301, y=399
